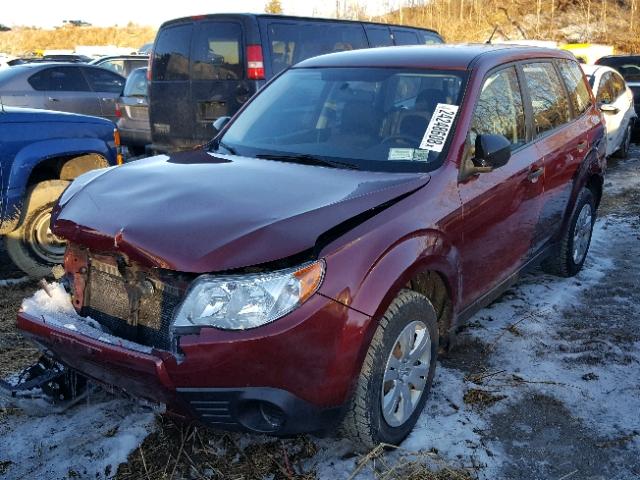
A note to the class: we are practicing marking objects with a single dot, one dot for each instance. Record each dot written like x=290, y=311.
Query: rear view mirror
x=606, y=108
x=492, y=151
x=220, y=123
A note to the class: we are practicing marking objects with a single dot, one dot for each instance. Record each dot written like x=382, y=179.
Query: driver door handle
x=534, y=174
x=52, y=99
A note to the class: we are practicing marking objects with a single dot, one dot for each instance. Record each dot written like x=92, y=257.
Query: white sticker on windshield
x=401, y=154
x=439, y=127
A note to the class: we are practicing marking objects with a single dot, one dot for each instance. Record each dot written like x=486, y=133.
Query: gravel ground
x=542, y=384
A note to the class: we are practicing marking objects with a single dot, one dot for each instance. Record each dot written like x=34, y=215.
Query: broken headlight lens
x=238, y=302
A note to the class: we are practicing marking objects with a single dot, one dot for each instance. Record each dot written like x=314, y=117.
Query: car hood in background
x=196, y=212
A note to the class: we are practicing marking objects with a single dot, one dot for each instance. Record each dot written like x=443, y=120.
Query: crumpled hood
x=196, y=212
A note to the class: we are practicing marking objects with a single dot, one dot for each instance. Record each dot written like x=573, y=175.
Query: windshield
x=369, y=118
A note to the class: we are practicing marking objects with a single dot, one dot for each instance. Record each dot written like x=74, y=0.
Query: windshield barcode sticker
x=439, y=127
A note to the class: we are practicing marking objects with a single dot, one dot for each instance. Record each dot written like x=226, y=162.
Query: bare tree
x=273, y=6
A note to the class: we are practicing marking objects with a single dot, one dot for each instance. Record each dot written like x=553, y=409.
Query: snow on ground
x=560, y=356
x=89, y=441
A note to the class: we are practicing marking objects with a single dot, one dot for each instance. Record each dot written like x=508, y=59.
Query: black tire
x=23, y=245
x=623, y=151
x=561, y=262
x=364, y=422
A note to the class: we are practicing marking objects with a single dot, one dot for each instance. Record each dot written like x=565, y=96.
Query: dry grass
x=26, y=40
x=177, y=450
x=16, y=352
x=481, y=398
x=610, y=22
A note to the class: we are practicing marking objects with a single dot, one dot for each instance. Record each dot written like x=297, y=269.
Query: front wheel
x=396, y=375
x=570, y=254
x=32, y=247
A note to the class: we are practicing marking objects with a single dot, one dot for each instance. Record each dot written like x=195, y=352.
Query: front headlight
x=237, y=302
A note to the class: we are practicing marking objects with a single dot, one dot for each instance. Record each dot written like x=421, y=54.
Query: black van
x=207, y=66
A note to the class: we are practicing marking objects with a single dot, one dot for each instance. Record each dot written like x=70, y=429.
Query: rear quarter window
x=573, y=79
x=548, y=99
x=217, y=52
x=171, y=53
x=291, y=43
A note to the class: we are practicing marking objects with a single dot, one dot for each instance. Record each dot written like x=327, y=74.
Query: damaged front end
x=130, y=301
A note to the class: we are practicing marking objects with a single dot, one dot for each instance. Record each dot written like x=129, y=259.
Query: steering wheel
x=398, y=137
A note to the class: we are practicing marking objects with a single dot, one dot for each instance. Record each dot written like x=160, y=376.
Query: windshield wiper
x=306, y=159
x=229, y=149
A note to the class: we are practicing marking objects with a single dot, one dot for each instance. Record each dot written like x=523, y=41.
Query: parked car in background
x=331, y=238
x=67, y=87
x=629, y=67
x=146, y=48
x=208, y=66
x=615, y=100
x=132, y=110
x=41, y=152
x=122, y=64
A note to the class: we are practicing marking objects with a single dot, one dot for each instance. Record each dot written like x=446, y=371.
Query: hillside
x=612, y=22
x=24, y=40
x=597, y=21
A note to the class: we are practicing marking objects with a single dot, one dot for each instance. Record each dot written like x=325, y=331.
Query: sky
x=49, y=13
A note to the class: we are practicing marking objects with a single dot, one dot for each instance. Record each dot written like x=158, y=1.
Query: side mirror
x=220, y=122
x=492, y=151
x=608, y=108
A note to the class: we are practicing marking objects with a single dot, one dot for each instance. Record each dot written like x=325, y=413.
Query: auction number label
x=439, y=127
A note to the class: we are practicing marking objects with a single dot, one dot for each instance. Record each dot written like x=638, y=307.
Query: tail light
x=116, y=141
x=149, y=63
x=118, y=111
x=255, y=62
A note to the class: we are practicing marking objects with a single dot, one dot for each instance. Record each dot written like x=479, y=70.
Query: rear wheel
x=396, y=375
x=569, y=256
x=32, y=246
x=623, y=151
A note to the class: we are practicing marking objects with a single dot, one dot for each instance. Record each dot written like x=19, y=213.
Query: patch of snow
x=537, y=305
x=55, y=308
x=89, y=441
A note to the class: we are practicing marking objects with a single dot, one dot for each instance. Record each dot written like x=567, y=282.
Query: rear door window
x=500, y=109
x=60, y=79
x=548, y=99
x=379, y=36
x=573, y=79
x=293, y=42
x=405, y=37
x=171, y=53
x=102, y=80
x=217, y=52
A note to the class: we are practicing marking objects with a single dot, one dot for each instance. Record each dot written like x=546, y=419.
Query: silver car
x=132, y=109
x=65, y=87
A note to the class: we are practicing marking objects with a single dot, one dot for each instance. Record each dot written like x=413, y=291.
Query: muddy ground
x=543, y=384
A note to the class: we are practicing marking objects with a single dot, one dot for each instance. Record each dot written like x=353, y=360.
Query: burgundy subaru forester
x=303, y=270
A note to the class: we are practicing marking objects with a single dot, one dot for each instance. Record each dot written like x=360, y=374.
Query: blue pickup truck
x=41, y=152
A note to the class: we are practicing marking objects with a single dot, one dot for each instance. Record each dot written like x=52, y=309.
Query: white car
x=615, y=100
